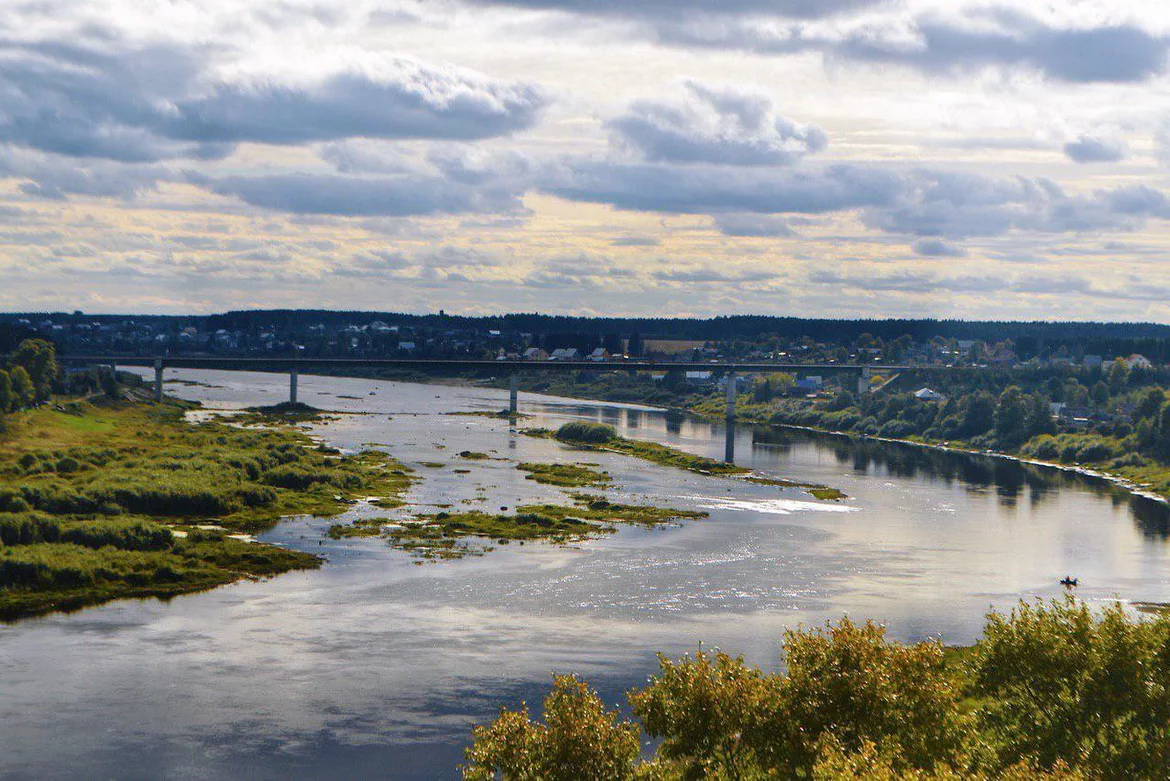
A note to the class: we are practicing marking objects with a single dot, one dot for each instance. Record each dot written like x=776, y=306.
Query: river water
x=376, y=665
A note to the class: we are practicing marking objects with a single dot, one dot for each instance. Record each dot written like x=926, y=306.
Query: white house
x=1137, y=361
x=599, y=354
x=927, y=394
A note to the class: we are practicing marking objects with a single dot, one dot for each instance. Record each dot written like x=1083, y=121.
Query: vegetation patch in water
x=447, y=535
x=501, y=415
x=818, y=491
x=472, y=455
x=597, y=436
x=285, y=411
x=565, y=475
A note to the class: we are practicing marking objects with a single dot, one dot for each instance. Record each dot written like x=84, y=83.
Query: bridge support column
x=292, y=385
x=158, y=381
x=863, y=381
x=732, y=392
x=513, y=396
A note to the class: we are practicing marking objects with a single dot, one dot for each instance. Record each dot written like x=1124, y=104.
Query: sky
x=825, y=158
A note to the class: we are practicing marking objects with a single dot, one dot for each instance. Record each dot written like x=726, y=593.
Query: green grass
x=90, y=491
x=565, y=475
x=596, y=436
x=445, y=535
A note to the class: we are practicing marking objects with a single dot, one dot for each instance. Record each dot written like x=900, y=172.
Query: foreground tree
x=1061, y=685
x=580, y=739
x=1052, y=690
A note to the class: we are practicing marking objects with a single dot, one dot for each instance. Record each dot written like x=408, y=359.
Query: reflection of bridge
x=295, y=365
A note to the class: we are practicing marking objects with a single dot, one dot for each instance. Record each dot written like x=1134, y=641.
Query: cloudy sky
x=644, y=157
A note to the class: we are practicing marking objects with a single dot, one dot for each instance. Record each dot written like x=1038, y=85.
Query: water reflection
x=1010, y=481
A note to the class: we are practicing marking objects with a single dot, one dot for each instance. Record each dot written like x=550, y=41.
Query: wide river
x=377, y=665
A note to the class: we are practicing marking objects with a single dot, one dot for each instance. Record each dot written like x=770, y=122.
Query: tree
x=39, y=359
x=1150, y=404
x=1064, y=686
x=23, y=392
x=1010, y=416
x=849, y=683
x=580, y=739
x=6, y=397
x=1099, y=393
x=978, y=413
x=710, y=711
x=1075, y=394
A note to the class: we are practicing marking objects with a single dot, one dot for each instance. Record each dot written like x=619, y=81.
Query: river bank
x=102, y=499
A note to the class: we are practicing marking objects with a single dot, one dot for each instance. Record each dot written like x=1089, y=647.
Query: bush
x=591, y=433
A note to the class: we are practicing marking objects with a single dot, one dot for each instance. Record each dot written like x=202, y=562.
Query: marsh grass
x=89, y=493
x=447, y=535
x=565, y=475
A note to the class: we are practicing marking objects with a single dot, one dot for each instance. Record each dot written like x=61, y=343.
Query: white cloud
x=714, y=125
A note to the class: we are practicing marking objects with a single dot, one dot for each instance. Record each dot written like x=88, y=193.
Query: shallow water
x=375, y=664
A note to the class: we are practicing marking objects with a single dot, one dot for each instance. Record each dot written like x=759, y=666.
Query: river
x=376, y=665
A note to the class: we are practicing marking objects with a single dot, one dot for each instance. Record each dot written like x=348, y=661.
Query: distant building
x=929, y=394
x=535, y=354
x=565, y=354
x=407, y=346
x=1137, y=361
x=599, y=354
x=1093, y=361
x=698, y=377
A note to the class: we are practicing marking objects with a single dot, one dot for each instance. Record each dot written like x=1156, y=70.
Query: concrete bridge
x=512, y=368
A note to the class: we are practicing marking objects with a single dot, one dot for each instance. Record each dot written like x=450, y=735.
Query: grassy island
x=108, y=498
x=451, y=535
x=598, y=436
x=565, y=475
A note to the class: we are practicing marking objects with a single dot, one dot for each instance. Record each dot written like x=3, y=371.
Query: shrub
x=591, y=433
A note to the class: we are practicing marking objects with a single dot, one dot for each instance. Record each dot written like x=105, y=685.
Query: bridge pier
x=863, y=381
x=732, y=392
x=514, y=396
x=158, y=381
x=292, y=385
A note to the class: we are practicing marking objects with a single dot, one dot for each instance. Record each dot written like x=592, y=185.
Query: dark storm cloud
x=106, y=100
x=713, y=125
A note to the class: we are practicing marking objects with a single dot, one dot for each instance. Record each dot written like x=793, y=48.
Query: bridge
x=510, y=367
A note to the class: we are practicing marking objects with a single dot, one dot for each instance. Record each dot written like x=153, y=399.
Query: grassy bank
x=107, y=499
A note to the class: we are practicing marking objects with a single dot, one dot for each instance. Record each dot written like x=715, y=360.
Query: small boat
x=1068, y=581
